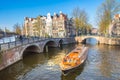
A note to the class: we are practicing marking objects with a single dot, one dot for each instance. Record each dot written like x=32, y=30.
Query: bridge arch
x=88, y=37
x=30, y=48
x=48, y=44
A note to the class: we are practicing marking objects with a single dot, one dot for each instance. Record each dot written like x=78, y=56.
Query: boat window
x=75, y=52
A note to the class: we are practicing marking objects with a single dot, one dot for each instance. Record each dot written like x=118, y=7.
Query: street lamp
x=5, y=32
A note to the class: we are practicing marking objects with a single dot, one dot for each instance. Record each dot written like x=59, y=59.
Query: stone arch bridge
x=100, y=39
x=13, y=51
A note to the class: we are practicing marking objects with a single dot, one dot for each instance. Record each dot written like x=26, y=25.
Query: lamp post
x=5, y=32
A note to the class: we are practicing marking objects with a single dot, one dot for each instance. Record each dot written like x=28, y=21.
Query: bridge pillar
x=98, y=42
x=84, y=41
x=0, y=47
x=60, y=43
x=46, y=48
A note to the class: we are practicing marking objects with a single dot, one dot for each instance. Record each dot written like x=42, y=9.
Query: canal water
x=103, y=63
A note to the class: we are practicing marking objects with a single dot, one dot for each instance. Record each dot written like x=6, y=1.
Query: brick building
x=31, y=30
x=57, y=25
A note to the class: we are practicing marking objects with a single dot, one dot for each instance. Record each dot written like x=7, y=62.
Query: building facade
x=59, y=25
x=94, y=31
x=114, y=28
x=31, y=29
x=55, y=26
x=48, y=26
x=71, y=30
x=28, y=26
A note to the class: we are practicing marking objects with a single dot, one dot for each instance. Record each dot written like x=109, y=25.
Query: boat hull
x=65, y=68
x=67, y=71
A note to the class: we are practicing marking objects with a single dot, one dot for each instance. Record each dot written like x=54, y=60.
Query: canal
x=103, y=63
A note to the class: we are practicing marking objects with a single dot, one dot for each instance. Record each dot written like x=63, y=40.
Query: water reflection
x=91, y=41
x=33, y=59
x=110, y=60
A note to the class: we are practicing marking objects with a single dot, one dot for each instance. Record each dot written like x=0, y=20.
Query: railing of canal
x=17, y=43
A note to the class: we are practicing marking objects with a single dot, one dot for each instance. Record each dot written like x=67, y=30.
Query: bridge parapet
x=10, y=45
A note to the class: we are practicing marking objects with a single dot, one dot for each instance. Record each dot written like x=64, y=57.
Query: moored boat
x=73, y=59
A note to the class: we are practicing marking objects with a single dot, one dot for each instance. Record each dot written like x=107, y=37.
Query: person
x=20, y=38
x=60, y=44
x=67, y=59
x=64, y=59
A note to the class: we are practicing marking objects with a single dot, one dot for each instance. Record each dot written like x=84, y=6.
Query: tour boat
x=73, y=59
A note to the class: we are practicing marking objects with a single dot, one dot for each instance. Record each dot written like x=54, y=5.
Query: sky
x=14, y=11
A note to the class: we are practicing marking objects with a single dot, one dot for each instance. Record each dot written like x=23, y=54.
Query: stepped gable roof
x=30, y=19
x=65, y=16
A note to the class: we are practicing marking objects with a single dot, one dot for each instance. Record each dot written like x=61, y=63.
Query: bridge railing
x=17, y=43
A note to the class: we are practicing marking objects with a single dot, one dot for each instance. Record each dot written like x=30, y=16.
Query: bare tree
x=88, y=28
x=105, y=13
x=80, y=19
x=17, y=28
